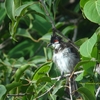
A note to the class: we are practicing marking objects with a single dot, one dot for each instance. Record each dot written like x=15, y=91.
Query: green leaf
x=48, y=53
x=80, y=41
x=2, y=90
x=46, y=36
x=37, y=8
x=90, y=87
x=44, y=79
x=39, y=59
x=41, y=25
x=67, y=29
x=98, y=6
x=20, y=9
x=2, y=14
x=10, y=9
x=87, y=46
x=30, y=89
x=58, y=86
x=87, y=65
x=17, y=3
x=79, y=77
x=12, y=85
x=80, y=63
x=24, y=33
x=42, y=71
x=82, y=3
x=13, y=28
x=20, y=72
x=37, y=11
x=23, y=49
x=91, y=11
x=59, y=24
x=86, y=93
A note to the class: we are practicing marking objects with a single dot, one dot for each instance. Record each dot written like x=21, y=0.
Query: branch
x=70, y=89
x=98, y=90
x=48, y=14
x=20, y=94
x=66, y=75
x=45, y=92
x=5, y=43
x=51, y=20
x=75, y=33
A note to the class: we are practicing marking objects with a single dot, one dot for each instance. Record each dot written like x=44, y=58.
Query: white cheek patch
x=56, y=45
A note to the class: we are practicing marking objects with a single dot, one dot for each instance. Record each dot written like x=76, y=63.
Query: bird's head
x=55, y=41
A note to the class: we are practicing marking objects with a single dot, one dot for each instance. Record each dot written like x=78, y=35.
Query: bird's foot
x=61, y=77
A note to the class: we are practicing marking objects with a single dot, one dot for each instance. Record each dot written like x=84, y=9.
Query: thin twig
x=48, y=14
x=55, y=31
x=65, y=98
x=75, y=33
x=70, y=89
x=51, y=20
x=20, y=94
x=98, y=90
x=45, y=92
x=66, y=75
x=5, y=43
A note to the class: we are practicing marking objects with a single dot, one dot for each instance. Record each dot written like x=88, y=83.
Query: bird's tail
x=71, y=87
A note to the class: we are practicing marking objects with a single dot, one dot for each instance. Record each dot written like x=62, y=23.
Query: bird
x=65, y=56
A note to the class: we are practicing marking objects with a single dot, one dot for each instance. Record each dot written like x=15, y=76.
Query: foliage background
x=26, y=68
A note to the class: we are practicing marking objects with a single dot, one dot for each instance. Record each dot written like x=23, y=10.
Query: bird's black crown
x=55, y=38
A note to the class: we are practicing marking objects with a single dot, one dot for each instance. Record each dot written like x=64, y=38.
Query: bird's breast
x=64, y=60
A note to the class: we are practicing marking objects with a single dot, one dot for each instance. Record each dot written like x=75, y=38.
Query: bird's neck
x=59, y=49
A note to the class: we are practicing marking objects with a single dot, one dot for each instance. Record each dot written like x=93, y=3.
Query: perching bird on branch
x=65, y=55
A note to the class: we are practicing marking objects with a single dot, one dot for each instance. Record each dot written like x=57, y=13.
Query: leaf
x=67, y=29
x=41, y=25
x=80, y=63
x=17, y=3
x=20, y=9
x=41, y=72
x=82, y=3
x=86, y=93
x=44, y=79
x=91, y=11
x=46, y=36
x=24, y=33
x=2, y=90
x=58, y=86
x=39, y=59
x=87, y=46
x=80, y=41
x=98, y=6
x=87, y=65
x=12, y=85
x=79, y=77
x=30, y=89
x=20, y=72
x=10, y=9
x=37, y=8
x=90, y=87
x=2, y=14
x=59, y=24
x=48, y=54
x=24, y=48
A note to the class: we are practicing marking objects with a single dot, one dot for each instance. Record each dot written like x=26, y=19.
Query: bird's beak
x=49, y=44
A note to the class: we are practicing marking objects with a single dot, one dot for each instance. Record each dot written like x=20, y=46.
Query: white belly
x=65, y=61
